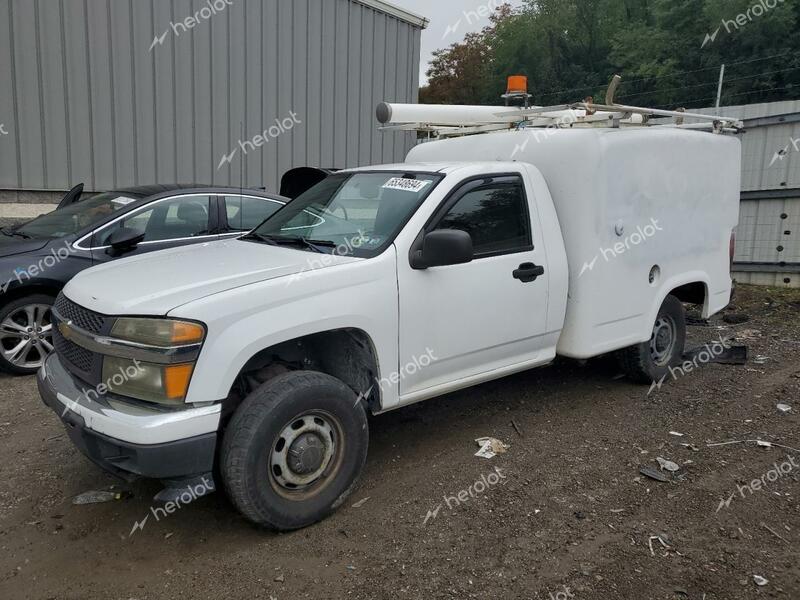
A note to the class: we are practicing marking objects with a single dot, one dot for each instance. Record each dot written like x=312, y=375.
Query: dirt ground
x=564, y=514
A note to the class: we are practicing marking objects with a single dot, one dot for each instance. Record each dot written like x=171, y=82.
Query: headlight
x=158, y=375
x=158, y=332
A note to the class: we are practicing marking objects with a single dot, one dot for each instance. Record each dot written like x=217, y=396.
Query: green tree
x=668, y=51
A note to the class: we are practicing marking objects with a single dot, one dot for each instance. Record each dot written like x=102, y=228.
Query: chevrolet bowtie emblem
x=65, y=327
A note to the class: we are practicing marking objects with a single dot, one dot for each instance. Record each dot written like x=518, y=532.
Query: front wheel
x=650, y=361
x=294, y=450
x=26, y=334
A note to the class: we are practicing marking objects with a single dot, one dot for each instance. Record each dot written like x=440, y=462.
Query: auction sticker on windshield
x=123, y=201
x=406, y=185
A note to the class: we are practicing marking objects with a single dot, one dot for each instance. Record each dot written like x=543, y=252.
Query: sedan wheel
x=26, y=335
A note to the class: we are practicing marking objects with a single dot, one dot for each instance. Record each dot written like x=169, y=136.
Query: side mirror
x=124, y=240
x=442, y=248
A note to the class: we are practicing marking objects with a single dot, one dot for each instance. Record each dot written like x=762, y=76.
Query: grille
x=80, y=361
x=81, y=317
x=80, y=358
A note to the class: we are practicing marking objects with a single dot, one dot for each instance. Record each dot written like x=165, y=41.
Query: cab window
x=496, y=217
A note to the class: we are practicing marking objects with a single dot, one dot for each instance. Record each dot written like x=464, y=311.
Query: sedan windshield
x=75, y=217
x=349, y=214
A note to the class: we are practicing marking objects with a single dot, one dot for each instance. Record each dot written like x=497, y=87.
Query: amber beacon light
x=517, y=84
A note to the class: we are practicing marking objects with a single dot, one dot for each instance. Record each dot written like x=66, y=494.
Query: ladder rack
x=451, y=121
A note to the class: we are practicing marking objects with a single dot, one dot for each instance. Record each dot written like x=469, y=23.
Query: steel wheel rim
x=26, y=336
x=664, y=340
x=314, y=441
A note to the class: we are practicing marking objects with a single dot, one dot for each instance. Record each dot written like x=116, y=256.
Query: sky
x=450, y=21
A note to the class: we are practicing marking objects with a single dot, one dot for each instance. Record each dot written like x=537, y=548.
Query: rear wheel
x=26, y=334
x=294, y=450
x=650, y=361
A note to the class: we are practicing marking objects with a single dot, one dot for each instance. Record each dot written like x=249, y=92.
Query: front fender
x=245, y=321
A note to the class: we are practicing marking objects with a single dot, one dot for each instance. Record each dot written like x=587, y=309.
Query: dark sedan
x=39, y=257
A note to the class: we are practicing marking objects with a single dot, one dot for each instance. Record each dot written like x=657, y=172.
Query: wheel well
x=29, y=290
x=347, y=354
x=692, y=293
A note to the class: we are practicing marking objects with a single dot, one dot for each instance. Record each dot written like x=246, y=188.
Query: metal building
x=768, y=236
x=114, y=93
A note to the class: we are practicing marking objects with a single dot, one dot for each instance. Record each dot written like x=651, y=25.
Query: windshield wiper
x=257, y=237
x=15, y=233
x=317, y=245
x=275, y=240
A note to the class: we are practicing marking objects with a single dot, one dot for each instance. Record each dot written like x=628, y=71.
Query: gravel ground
x=564, y=514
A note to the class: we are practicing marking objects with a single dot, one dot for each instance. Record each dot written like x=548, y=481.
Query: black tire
x=255, y=439
x=645, y=364
x=8, y=311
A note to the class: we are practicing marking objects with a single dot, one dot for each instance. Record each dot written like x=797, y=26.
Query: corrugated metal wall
x=84, y=98
x=768, y=236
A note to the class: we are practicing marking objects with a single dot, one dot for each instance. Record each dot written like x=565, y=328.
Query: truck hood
x=158, y=282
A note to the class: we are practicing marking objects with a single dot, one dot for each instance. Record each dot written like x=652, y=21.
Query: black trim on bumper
x=172, y=460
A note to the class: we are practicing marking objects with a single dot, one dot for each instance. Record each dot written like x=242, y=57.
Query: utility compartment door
x=467, y=320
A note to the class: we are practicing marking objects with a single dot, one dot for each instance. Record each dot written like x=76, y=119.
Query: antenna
x=241, y=180
x=241, y=162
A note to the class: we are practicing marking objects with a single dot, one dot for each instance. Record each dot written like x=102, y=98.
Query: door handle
x=528, y=272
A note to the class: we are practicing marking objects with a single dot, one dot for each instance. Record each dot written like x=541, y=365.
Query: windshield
x=75, y=217
x=349, y=214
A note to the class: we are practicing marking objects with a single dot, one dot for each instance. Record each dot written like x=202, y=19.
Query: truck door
x=486, y=315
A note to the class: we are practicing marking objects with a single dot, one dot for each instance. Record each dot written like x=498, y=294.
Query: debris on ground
x=676, y=434
x=490, y=447
x=736, y=318
x=667, y=465
x=99, y=497
x=760, y=360
x=696, y=321
x=659, y=539
x=748, y=334
x=654, y=474
x=784, y=408
x=361, y=503
x=775, y=533
x=761, y=443
x=731, y=355
x=760, y=581
x=517, y=428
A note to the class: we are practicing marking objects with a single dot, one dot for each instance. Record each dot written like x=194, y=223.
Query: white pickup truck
x=258, y=359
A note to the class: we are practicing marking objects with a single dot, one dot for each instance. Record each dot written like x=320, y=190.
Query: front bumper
x=129, y=440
